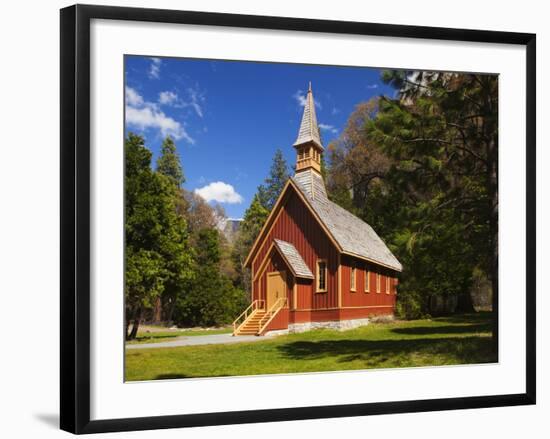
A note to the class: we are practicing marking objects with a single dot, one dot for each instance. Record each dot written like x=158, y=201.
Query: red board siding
x=280, y=321
x=359, y=297
x=304, y=293
x=321, y=315
x=296, y=224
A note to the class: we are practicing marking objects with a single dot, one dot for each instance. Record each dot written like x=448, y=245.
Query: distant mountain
x=229, y=227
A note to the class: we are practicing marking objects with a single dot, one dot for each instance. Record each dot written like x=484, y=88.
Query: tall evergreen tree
x=145, y=269
x=158, y=257
x=169, y=163
x=442, y=133
x=421, y=170
x=275, y=181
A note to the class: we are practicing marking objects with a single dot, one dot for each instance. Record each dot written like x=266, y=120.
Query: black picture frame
x=75, y=217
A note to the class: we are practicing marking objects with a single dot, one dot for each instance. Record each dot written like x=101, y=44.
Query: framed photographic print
x=268, y=218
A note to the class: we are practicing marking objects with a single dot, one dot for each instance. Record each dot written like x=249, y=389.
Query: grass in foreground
x=156, y=334
x=464, y=339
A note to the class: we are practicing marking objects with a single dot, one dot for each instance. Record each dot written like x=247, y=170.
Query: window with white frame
x=321, y=276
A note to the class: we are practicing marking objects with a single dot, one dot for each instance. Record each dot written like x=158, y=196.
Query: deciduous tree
x=253, y=221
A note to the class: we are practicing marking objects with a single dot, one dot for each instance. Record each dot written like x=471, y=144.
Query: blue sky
x=229, y=117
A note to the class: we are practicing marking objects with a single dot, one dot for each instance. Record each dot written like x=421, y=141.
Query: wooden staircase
x=251, y=325
x=248, y=314
x=255, y=319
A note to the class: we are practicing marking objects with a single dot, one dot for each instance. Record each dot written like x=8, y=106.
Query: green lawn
x=440, y=341
x=156, y=334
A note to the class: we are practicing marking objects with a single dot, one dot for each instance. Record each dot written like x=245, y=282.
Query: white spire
x=309, y=130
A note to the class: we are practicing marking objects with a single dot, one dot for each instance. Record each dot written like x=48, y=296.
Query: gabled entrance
x=257, y=317
x=276, y=287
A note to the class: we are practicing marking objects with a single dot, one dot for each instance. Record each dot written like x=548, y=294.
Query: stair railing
x=270, y=314
x=239, y=321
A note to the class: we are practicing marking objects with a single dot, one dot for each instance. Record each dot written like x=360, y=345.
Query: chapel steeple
x=308, y=144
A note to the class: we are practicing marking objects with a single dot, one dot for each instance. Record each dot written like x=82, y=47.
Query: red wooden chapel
x=314, y=264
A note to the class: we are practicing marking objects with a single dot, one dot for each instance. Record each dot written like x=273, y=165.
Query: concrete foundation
x=339, y=325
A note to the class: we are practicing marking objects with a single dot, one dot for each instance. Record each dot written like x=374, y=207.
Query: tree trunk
x=135, y=325
x=157, y=312
x=465, y=303
x=127, y=320
x=170, y=307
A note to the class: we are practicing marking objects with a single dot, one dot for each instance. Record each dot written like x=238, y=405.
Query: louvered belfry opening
x=308, y=144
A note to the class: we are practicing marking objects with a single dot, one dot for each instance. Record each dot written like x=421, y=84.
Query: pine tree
x=158, y=257
x=438, y=195
x=421, y=170
x=275, y=182
x=169, y=164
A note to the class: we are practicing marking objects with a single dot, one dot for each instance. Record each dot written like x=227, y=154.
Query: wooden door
x=276, y=287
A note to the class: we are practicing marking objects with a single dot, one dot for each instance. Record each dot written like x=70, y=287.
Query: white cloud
x=142, y=115
x=154, y=68
x=300, y=98
x=372, y=86
x=168, y=98
x=327, y=127
x=151, y=117
x=196, y=99
x=220, y=192
x=335, y=111
x=133, y=98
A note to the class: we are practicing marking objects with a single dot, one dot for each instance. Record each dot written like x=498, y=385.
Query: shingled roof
x=293, y=259
x=352, y=234
x=309, y=130
x=311, y=183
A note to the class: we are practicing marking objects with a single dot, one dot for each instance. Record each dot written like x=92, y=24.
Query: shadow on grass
x=175, y=376
x=453, y=349
x=447, y=329
x=482, y=317
x=170, y=376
